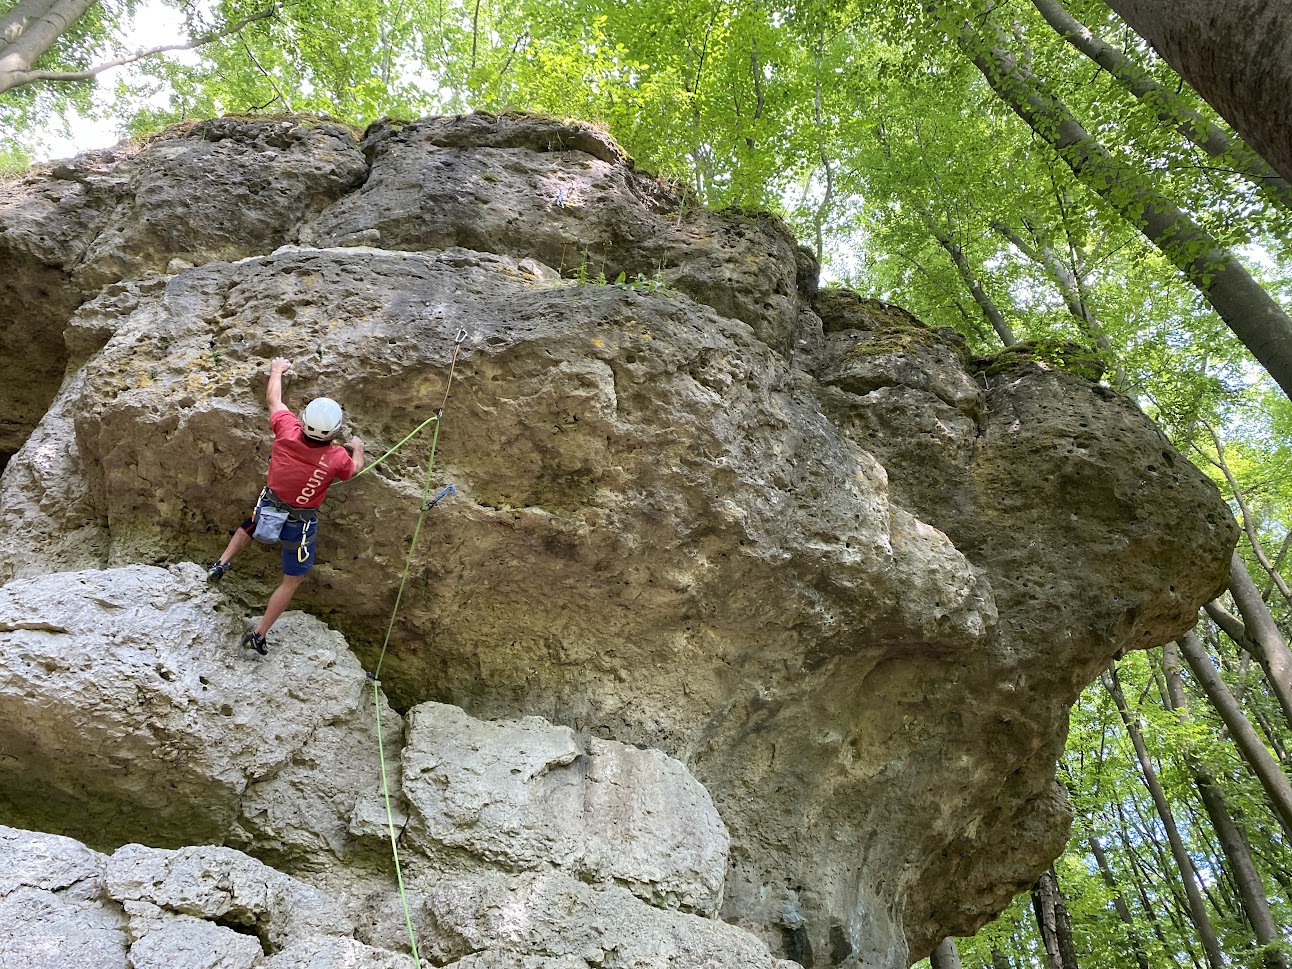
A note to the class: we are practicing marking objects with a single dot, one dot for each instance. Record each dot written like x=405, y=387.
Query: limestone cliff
x=757, y=604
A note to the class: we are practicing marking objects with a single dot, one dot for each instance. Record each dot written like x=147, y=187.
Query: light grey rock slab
x=52, y=908
x=129, y=712
x=529, y=795
x=185, y=942
x=46, y=930
x=554, y=920
x=332, y=953
x=223, y=885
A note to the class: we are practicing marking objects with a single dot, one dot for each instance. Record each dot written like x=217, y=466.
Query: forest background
x=1020, y=170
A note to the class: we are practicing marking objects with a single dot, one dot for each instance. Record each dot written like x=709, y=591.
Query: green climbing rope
x=407, y=438
x=390, y=825
x=376, y=673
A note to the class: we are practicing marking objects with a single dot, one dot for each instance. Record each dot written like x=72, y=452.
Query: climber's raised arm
x=274, y=392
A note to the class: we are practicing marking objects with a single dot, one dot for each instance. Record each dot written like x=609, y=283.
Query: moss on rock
x=1075, y=358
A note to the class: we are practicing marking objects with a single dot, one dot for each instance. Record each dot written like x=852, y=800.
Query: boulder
x=793, y=544
x=131, y=714
x=203, y=907
x=528, y=795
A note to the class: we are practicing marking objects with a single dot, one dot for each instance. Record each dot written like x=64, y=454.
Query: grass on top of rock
x=583, y=275
x=897, y=339
x=1076, y=358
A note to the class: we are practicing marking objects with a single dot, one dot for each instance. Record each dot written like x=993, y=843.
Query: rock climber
x=303, y=463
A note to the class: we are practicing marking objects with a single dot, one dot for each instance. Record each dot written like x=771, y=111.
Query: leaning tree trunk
x=1263, y=765
x=1262, y=632
x=990, y=311
x=1119, y=902
x=1249, y=311
x=1238, y=853
x=1236, y=54
x=1169, y=107
x=1233, y=628
x=1140, y=880
x=1249, y=523
x=1189, y=878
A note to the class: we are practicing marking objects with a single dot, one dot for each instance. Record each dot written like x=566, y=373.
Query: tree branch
x=1249, y=311
x=33, y=32
x=27, y=77
x=1168, y=108
x=1232, y=627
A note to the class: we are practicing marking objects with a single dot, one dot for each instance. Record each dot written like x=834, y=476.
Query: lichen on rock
x=750, y=631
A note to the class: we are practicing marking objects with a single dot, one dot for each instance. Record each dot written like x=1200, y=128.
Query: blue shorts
x=298, y=540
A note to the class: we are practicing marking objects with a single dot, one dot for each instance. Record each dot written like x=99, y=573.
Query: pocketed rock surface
x=755, y=604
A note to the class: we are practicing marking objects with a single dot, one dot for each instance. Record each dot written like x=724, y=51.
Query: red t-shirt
x=300, y=470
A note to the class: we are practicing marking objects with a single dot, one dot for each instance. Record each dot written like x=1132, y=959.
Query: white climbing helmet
x=322, y=419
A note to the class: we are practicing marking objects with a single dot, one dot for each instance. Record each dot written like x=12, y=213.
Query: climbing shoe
x=253, y=640
x=216, y=572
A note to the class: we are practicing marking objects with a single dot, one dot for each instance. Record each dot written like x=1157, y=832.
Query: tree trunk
x=1230, y=624
x=1197, y=908
x=1140, y=881
x=1278, y=564
x=1236, y=54
x=1238, y=854
x=1169, y=107
x=989, y=309
x=1052, y=921
x=30, y=33
x=1119, y=903
x=1271, y=736
x=1064, y=278
x=1165, y=888
x=1260, y=629
x=1249, y=523
x=1255, y=318
x=24, y=38
x=1263, y=765
x=945, y=956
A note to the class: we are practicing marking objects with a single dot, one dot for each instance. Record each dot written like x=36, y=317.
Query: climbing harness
x=271, y=516
x=375, y=675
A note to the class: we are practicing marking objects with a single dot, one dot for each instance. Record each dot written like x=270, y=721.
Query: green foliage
x=867, y=129
x=583, y=275
x=13, y=160
x=1080, y=359
x=26, y=112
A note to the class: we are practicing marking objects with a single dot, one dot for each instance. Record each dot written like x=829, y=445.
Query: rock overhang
x=833, y=569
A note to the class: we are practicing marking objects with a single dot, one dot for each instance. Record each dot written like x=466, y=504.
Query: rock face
x=126, y=718
x=527, y=794
x=755, y=604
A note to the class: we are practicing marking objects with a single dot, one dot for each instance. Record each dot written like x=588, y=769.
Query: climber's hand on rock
x=280, y=365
